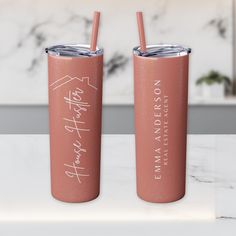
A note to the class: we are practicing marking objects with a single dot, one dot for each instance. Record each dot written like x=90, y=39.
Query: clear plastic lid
x=162, y=50
x=73, y=50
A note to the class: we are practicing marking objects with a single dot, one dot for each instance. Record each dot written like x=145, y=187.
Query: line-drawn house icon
x=67, y=79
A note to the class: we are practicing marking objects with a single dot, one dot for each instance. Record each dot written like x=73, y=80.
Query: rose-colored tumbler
x=161, y=95
x=75, y=108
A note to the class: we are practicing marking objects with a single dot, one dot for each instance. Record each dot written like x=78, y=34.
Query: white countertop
x=27, y=208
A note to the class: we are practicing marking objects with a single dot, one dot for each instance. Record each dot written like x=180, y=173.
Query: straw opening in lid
x=162, y=50
x=73, y=50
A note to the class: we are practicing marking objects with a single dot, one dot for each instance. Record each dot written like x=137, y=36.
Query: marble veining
x=118, y=200
x=209, y=199
x=201, y=180
x=116, y=63
x=24, y=63
x=225, y=177
x=226, y=218
x=221, y=26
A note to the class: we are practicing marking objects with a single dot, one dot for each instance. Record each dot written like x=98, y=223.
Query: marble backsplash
x=28, y=26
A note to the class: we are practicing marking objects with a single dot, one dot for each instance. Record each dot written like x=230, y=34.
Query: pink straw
x=94, y=37
x=141, y=32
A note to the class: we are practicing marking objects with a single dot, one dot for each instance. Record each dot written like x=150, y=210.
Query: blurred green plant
x=214, y=77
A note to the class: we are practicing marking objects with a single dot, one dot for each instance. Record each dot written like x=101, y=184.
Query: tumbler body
x=161, y=98
x=75, y=109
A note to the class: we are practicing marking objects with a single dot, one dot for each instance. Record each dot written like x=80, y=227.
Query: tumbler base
x=170, y=200
x=74, y=200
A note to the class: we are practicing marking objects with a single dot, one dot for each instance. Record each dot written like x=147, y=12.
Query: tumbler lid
x=162, y=50
x=73, y=50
